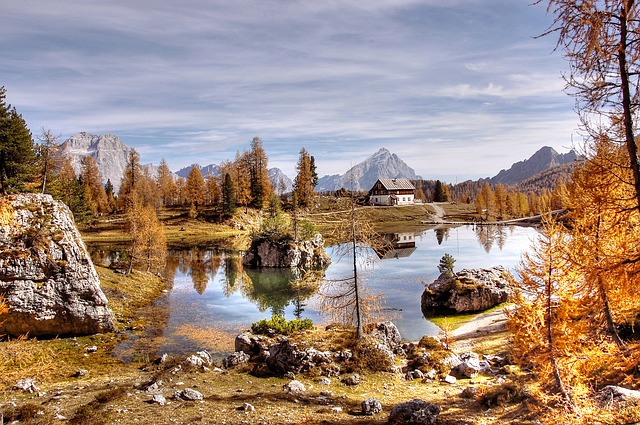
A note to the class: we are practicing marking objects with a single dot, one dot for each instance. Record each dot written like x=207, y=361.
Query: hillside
x=544, y=159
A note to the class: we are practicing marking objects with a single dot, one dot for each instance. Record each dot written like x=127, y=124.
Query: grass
x=455, y=321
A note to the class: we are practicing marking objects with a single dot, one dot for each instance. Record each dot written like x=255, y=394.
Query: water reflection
x=213, y=297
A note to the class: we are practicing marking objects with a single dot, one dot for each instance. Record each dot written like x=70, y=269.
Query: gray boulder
x=284, y=357
x=371, y=406
x=414, y=412
x=309, y=254
x=235, y=359
x=388, y=334
x=466, y=291
x=46, y=275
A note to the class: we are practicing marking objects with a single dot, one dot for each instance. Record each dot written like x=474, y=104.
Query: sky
x=458, y=89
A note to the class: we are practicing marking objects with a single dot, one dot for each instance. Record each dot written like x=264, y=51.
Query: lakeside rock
x=469, y=290
x=46, y=275
x=309, y=254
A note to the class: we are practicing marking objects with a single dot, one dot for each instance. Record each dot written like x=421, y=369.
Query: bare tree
x=49, y=159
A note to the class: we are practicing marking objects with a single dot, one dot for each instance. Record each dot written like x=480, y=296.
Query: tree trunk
x=550, y=339
x=359, y=330
x=630, y=141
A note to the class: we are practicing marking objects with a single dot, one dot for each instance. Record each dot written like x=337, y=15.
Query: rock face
x=466, y=291
x=46, y=275
x=308, y=254
x=381, y=165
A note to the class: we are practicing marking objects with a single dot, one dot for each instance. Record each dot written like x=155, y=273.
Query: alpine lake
x=213, y=298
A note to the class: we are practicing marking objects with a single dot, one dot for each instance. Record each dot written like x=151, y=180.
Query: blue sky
x=459, y=89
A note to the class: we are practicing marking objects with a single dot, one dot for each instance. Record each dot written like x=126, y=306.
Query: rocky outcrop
x=466, y=291
x=46, y=275
x=309, y=254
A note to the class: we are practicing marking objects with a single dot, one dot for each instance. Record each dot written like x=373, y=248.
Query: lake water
x=213, y=298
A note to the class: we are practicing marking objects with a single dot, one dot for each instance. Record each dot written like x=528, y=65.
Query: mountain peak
x=362, y=176
x=544, y=158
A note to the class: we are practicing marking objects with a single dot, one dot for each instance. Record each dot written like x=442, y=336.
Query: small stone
x=80, y=372
x=27, y=385
x=247, y=408
x=352, y=380
x=194, y=361
x=92, y=349
x=188, y=394
x=294, y=387
x=371, y=406
x=469, y=392
x=206, y=357
x=449, y=379
x=336, y=409
x=290, y=375
x=158, y=399
x=324, y=381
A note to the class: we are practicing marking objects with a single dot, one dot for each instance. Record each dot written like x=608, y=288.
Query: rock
x=235, y=359
x=243, y=343
x=371, y=406
x=324, y=381
x=309, y=254
x=450, y=379
x=92, y=349
x=27, y=385
x=294, y=387
x=466, y=291
x=188, y=394
x=155, y=387
x=511, y=369
x=80, y=372
x=613, y=392
x=352, y=379
x=284, y=357
x=388, y=334
x=469, y=392
x=469, y=366
x=206, y=357
x=158, y=399
x=414, y=412
x=247, y=408
x=46, y=275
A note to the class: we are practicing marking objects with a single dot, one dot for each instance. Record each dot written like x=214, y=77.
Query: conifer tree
x=48, y=158
x=195, y=187
x=131, y=179
x=17, y=153
x=228, y=195
x=94, y=194
x=165, y=182
x=303, y=182
x=260, y=185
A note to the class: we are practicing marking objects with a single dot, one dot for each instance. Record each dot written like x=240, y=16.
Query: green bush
x=279, y=325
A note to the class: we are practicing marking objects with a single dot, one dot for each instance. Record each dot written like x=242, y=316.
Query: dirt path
x=487, y=328
x=438, y=215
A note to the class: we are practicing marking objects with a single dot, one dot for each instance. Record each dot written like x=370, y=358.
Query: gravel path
x=481, y=326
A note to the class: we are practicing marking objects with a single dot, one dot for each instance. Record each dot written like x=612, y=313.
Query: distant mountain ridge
x=107, y=150
x=362, y=176
x=544, y=159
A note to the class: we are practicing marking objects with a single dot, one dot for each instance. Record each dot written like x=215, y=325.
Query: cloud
x=194, y=82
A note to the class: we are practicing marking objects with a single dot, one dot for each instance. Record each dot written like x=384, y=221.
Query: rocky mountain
x=362, y=176
x=544, y=159
x=107, y=149
x=212, y=169
x=280, y=181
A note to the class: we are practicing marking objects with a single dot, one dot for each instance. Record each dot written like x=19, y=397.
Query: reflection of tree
x=275, y=289
x=198, y=270
x=233, y=273
x=488, y=235
x=441, y=235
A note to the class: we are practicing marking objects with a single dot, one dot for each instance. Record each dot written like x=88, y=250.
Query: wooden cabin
x=392, y=192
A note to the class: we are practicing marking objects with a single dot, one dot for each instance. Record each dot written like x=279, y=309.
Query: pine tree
x=228, y=195
x=17, y=154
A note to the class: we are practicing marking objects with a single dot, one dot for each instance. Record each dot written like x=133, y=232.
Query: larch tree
x=94, y=194
x=17, y=154
x=165, y=183
x=212, y=190
x=303, y=182
x=148, y=241
x=260, y=185
x=195, y=187
x=601, y=42
x=131, y=179
x=49, y=159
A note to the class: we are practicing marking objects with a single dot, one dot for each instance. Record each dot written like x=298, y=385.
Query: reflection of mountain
x=396, y=245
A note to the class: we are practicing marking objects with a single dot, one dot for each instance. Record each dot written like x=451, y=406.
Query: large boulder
x=414, y=412
x=46, y=275
x=309, y=254
x=468, y=290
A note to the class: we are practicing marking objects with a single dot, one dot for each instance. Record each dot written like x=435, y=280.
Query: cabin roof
x=391, y=184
